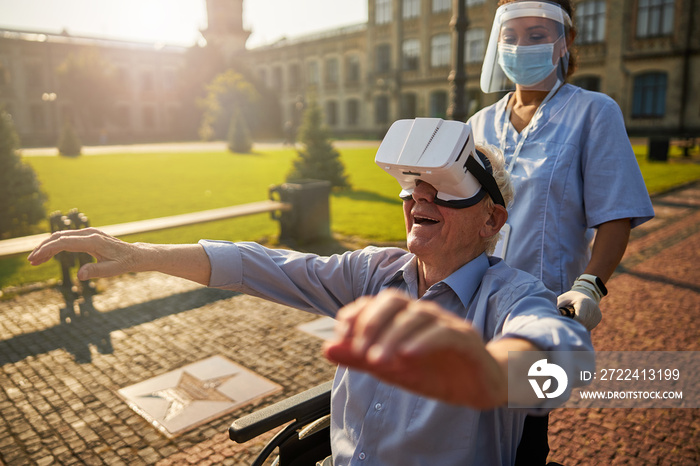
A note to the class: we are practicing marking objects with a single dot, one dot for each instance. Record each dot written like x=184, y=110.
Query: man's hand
x=418, y=346
x=114, y=256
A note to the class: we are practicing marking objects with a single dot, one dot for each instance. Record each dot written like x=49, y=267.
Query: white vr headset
x=441, y=153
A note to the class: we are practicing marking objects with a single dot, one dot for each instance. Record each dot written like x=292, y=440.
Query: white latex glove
x=586, y=308
x=585, y=297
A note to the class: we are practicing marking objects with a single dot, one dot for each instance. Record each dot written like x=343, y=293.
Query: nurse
x=579, y=190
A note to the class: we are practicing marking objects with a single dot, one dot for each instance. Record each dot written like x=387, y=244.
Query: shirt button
x=362, y=455
x=378, y=406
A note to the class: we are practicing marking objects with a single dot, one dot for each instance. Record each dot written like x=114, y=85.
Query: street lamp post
x=458, y=76
x=50, y=98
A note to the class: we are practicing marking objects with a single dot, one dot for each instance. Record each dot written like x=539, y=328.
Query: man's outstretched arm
x=115, y=257
x=423, y=348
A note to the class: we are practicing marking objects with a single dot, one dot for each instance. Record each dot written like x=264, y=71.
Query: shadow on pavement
x=77, y=336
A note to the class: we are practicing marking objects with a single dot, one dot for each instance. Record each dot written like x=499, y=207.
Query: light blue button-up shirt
x=575, y=171
x=373, y=423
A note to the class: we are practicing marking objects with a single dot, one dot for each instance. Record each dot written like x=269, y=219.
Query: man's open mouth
x=422, y=220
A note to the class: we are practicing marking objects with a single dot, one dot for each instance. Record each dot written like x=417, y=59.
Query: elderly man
x=438, y=320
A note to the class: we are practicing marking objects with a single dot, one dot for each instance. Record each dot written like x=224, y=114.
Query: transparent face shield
x=527, y=47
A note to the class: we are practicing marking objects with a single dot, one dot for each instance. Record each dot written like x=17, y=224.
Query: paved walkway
x=59, y=383
x=192, y=146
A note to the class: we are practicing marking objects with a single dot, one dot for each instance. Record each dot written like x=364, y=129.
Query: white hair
x=502, y=177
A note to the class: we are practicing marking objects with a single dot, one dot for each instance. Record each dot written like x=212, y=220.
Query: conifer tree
x=69, y=143
x=318, y=159
x=21, y=198
x=239, y=139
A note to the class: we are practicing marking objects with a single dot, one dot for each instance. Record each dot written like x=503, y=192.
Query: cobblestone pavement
x=59, y=383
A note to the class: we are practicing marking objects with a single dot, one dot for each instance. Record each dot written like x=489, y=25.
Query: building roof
x=66, y=38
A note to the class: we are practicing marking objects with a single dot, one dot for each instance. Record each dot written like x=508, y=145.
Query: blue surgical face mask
x=526, y=64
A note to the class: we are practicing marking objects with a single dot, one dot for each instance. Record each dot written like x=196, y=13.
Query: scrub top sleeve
x=613, y=187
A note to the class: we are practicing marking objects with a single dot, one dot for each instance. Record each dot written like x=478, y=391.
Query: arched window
x=383, y=58
x=649, y=100
x=382, y=11
x=440, y=47
x=591, y=83
x=655, y=18
x=438, y=104
x=381, y=109
x=590, y=19
x=410, y=50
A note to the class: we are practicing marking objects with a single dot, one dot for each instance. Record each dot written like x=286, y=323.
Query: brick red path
x=58, y=384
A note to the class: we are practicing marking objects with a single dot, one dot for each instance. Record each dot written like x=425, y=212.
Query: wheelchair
x=304, y=442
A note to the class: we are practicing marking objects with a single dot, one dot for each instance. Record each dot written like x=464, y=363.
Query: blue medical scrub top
x=575, y=171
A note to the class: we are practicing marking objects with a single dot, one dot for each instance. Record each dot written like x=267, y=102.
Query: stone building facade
x=146, y=104
x=645, y=54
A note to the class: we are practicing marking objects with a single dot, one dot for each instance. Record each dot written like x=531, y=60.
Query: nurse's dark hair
x=568, y=6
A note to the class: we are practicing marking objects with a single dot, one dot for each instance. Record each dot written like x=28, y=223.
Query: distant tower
x=225, y=27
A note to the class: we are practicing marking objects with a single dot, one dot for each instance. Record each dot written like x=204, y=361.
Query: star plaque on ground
x=185, y=398
x=323, y=328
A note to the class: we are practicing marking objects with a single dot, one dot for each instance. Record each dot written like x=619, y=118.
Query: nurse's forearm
x=608, y=248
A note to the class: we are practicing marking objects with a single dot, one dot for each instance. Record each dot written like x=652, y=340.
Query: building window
x=121, y=117
x=440, y=6
x=438, y=104
x=277, y=78
x=655, y=18
x=331, y=113
x=4, y=75
x=352, y=109
x=383, y=58
x=591, y=83
x=411, y=9
x=312, y=73
x=440, y=48
x=38, y=117
x=473, y=2
x=381, y=109
x=331, y=74
x=294, y=77
x=262, y=75
x=352, y=72
x=147, y=82
x=149, y=117
x=649, y=100
x=473, y=101
x=409, y=107
x=474, y=45
x=410, y=51
x=382, y=11
x=591, y=21
x=169, y=79
x=34, y=76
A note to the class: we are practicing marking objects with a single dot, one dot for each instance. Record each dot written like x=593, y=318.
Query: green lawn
x=661, y=176
x=121, y=188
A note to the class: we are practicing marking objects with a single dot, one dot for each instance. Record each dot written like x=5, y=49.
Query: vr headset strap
x=485, y=178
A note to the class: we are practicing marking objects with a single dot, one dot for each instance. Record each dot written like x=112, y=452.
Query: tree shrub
x=21, y=199
x=239, y=139
x=69, y=143
x=317, y=159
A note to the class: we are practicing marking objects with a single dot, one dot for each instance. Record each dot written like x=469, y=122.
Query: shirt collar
x=465, y=280
x=408, y=275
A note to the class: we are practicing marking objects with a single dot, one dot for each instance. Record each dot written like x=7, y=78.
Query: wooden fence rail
x=25, y=244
